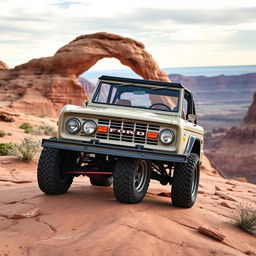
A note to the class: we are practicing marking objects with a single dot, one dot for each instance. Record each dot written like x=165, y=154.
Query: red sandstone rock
x=43, y=86
x=241, y=179
x=7, y=116
x=217, y=188
x=6, y=162
x=226, y=204
x=33, y=213
x=230, y=183
x=211, y=232
x=250, y=253
x=225, y=196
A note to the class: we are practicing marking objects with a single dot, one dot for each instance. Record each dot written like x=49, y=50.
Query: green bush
x=27, y=127
x=27, y=150
x=45, y=130
x=5, y=148
x=2, y=133
x=41, y=130
x=246, y=218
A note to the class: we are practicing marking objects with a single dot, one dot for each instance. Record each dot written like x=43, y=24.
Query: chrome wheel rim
x=140, y=176
x=195, y=181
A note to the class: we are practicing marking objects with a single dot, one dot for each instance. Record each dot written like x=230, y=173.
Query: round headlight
x=167, y=136
x=89, y=127
x=73, y=125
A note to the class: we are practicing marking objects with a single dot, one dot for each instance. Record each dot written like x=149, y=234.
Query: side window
x=185, y=109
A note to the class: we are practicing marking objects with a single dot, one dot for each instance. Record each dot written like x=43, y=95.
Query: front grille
x=135, y=132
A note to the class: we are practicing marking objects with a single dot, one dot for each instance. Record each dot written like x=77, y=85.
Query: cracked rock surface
x=89, y=221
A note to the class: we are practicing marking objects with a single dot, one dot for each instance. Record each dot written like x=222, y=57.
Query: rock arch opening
x=85, y=51
x=43, y=86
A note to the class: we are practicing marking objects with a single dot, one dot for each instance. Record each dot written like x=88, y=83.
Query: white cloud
x=175, y=32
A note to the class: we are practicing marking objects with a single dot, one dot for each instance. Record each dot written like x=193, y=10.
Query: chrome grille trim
x=128, y=126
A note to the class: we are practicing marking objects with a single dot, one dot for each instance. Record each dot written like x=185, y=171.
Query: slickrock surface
x=89, y=221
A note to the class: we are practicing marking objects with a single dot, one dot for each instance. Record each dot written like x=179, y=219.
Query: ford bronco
x=131, y=131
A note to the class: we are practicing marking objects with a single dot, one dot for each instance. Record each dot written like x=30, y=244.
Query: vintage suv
x=131, y=131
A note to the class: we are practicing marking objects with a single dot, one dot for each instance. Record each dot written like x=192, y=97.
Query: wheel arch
x=193, y=146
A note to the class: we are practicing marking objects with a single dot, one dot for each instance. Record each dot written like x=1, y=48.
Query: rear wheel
x=50, y=176
x=105, y=182
x=131, y=180
x=185, y=182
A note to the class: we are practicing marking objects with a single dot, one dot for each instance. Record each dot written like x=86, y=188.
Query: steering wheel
x=161, y=104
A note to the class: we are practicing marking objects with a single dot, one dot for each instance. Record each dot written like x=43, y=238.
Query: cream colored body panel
x=183, y=129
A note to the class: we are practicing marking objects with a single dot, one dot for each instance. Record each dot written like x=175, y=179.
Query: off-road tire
x=185, y=182
x=49, y=177
x=127, y=185
x=104, y=182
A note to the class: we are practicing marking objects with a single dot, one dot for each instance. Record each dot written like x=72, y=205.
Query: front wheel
x=50, y=176
x=131, y=180
x=185, y=182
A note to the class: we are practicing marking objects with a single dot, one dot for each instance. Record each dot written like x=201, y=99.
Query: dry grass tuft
x=246, y=218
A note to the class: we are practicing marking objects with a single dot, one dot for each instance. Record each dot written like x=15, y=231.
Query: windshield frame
x=157, y=87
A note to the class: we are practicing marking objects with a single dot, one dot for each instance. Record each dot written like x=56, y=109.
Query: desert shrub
x=27, y=127
x=27, y=150
x=2, y=133
x=45, y=130
x=246, y=218
x=5, y=148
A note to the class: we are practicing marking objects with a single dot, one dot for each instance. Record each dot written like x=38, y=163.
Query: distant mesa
x=43, y=86
x=234, y=155
x=214, y=83
x=3, y=65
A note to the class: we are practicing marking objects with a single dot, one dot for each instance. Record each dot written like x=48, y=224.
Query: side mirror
x=85, y=103
x=192, y=118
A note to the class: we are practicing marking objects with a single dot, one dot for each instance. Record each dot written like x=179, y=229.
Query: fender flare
x=190, y=144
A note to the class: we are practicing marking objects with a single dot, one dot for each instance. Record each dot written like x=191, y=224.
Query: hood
x=123, y=113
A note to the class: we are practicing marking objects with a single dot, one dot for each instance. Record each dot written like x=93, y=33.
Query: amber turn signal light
x=152, y=135
x=103, y=129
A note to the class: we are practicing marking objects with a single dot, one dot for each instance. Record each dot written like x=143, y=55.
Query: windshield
x=130, y=95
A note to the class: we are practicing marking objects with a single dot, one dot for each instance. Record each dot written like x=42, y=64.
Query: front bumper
x=119, y=151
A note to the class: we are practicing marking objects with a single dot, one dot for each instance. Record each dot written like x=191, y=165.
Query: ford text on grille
x=138, y=133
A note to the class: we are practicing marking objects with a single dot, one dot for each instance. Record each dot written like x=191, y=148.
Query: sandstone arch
x=50, y=82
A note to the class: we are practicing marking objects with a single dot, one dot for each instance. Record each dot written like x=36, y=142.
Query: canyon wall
x=235, y=154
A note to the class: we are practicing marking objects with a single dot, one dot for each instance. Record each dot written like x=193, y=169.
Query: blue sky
x=176, y=32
